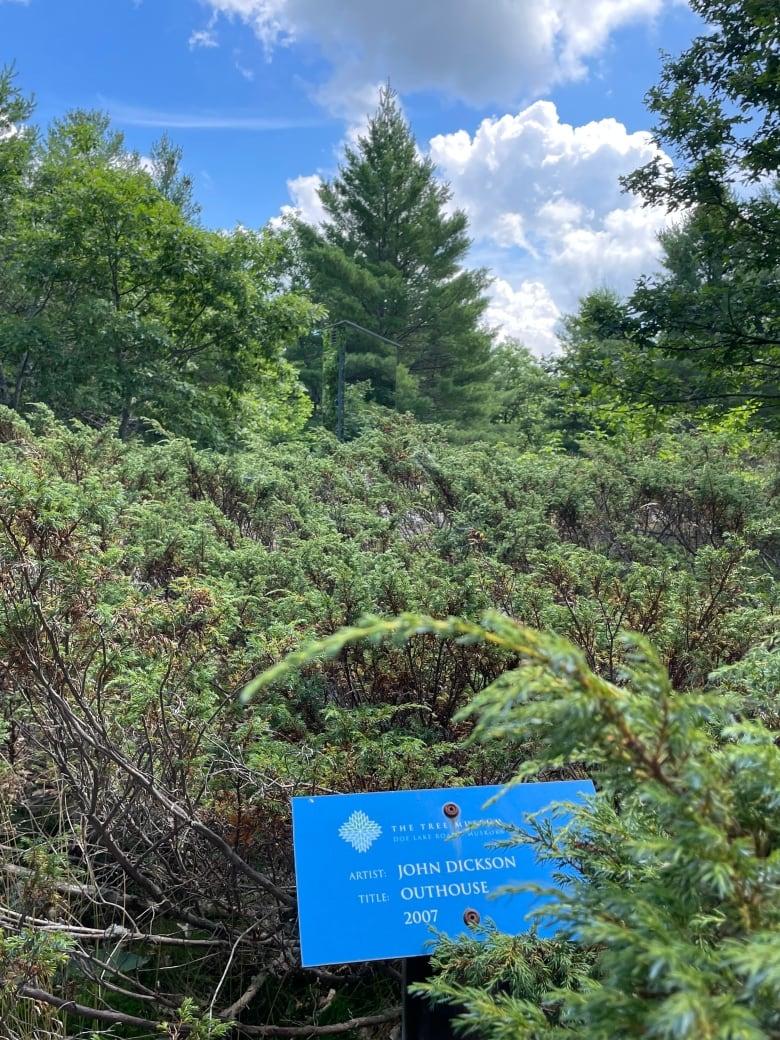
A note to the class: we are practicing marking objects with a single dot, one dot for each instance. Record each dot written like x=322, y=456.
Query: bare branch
x=98, y=1014
x=11, y=919
x=337, y=1027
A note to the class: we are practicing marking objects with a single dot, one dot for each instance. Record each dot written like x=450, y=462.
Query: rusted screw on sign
x=471, y=918
x=451, y=810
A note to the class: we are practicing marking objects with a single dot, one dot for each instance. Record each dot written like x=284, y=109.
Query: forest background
x=216, y=448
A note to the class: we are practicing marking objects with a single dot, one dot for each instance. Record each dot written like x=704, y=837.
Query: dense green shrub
x=143, y=586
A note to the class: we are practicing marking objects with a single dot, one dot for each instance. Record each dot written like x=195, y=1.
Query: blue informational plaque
x=377, y=872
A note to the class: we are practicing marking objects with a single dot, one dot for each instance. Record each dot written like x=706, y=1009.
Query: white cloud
x=531, y=165
x=480, y=51
x=134, y=116
x=354, y=103
x=245, y=71
x=205, y=37
x=9, y=129
x=546, y=213
x=545, y=205
x=202, y=38
x=528, y=314
x=304, y=191
x=543, y=197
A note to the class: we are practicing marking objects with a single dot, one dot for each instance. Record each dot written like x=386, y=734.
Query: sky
x=531, y=110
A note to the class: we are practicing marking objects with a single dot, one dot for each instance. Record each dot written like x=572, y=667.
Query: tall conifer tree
x=389, y=259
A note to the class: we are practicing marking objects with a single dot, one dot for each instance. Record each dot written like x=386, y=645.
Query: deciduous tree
x=119, y=308
x=714, y=314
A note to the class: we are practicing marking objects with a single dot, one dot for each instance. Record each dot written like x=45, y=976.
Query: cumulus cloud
x=545, y=210
x=546, y=213
x=480, y=52
x=543, y=197
x=528, y=314
x=304, y=192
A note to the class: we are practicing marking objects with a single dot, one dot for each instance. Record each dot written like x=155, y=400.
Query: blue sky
x=532, y=109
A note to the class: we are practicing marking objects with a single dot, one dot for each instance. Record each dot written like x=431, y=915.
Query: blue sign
x=377, y=872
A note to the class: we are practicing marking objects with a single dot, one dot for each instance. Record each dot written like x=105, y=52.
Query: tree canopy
x=705, y=331
x=389, y=257
x=115, y=305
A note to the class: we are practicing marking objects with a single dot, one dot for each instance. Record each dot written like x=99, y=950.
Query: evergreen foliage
x=667, y=912
x=701, y=334
x=390, y=258
x=712, y=315
x=671, y=871
x=16, y=138
x=144, y=586
x=576, y=573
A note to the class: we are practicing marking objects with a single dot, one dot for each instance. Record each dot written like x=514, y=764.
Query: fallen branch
x=336, y=1027
x=120, y=1018
x=12, y=920
x=97, y=1014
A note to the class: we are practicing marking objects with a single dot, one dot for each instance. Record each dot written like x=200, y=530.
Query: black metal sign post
x=420, y=1020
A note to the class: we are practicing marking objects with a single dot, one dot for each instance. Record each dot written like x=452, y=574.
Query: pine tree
x=389, y=259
